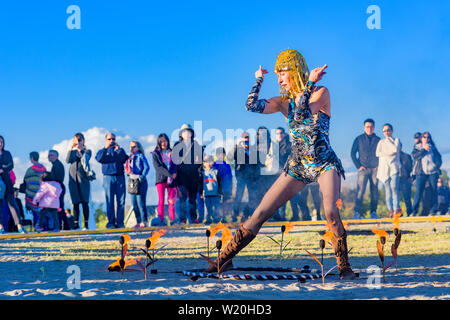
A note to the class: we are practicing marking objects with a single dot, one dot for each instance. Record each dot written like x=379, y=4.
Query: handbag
x=133, y=185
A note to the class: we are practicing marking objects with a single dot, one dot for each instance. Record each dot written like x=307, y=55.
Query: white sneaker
x=357, y=216
x=374, y=215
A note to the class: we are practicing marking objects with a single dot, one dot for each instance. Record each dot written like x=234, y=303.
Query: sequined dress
x=311, y=150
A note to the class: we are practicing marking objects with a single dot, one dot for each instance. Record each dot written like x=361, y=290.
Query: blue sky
x=144, y=67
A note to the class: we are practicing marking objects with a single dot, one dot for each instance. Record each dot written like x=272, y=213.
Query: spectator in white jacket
x=388, y=153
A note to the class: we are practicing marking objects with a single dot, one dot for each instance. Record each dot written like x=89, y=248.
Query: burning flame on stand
x=116, y=266
x=396, y=220
x=327, y=236
x=155, y=237
x=380, y=233
x=217, y=228
x=227, y=235
x=288, y=227
x=128, y=262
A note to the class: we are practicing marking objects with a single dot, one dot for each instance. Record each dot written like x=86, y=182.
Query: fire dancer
x=307, y=110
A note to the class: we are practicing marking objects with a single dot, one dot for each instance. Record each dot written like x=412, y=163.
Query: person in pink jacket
x=47, y=198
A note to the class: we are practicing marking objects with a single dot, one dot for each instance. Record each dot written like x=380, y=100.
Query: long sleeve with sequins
x=253, y=104
x=302, y=110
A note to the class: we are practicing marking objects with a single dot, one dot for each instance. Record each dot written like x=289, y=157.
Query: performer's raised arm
x=254, y=104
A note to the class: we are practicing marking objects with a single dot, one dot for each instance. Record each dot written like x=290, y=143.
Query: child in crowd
x=226, y=178
x=211, y=187
x=47, y=198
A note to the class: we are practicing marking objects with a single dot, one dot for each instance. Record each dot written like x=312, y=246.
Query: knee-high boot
x=341, y=252
x=242, y=237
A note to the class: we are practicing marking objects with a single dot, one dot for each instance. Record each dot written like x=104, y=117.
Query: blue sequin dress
x=311, y=150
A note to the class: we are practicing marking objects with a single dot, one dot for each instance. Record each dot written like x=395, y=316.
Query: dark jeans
x=368, y=174
x=53, y=214
x=241, y=184
x=421, y=180
x=201, y=207
x=188, y=193
x=114, y=188
x=139, y=202
x=405, y=192
x=212, y=204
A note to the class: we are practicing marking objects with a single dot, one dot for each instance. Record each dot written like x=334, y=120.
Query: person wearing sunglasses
x=113, y=157
x=388, y=153
x=427, y=163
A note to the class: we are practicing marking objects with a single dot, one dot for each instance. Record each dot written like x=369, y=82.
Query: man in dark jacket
x=405, y=180
x=112, y=157
x=245, y=172
x=57, y=174
x=366, y=162
x=187, y=154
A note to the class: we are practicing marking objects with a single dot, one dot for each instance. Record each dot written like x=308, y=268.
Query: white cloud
x=95, y=140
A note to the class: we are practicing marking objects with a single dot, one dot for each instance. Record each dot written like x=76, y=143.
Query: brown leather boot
x=341, y=252
x=242, y=237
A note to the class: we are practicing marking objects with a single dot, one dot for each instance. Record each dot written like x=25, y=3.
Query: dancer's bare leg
x=330, y=185
x=283, y=189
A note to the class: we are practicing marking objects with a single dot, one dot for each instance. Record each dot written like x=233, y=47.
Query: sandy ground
x=33, y=273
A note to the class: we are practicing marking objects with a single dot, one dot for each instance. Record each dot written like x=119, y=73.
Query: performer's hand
x=260, y=72
x=317, y=73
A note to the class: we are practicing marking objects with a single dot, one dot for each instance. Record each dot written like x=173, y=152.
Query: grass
x=417, y=239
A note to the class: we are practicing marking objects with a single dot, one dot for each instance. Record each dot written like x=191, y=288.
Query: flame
x=339, y=204
x=126, y=238
x=155, y=237
x=128, y=262
x=216, y=229
x=327, y=236
x=396, y=220
x=227, y=235
x=288, y=226
x=380, y=233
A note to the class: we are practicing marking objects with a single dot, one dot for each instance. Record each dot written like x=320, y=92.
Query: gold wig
x=292, y=61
